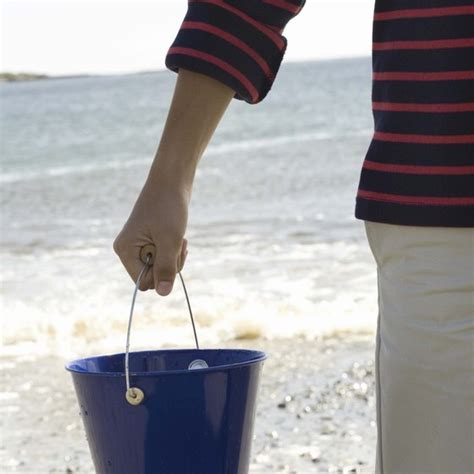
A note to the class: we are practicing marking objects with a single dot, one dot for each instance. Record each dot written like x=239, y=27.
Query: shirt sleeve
x=237, y=42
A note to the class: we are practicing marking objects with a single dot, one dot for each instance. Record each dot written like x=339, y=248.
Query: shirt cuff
x=233, y=44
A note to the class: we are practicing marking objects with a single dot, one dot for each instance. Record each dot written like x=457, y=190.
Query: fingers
x=130, y=257
x=169, y=261
x=149, y=282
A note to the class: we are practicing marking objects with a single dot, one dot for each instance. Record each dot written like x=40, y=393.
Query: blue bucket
x=179, y=411
x=189, y=422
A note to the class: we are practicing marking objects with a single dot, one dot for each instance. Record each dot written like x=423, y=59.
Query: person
x=415, y=196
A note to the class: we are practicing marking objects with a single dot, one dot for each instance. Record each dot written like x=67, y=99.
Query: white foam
x=77, y=301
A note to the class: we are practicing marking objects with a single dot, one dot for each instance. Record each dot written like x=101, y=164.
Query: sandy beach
x=316, y=410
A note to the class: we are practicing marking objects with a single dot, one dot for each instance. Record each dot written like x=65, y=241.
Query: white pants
x=424, y=349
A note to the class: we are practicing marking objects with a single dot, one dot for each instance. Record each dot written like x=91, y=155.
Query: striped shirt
x=419, y=168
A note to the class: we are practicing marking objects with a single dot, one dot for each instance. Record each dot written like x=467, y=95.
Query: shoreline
x=31, y=76
x=315, y=411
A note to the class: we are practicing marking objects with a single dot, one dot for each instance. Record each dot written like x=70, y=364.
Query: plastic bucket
x=189, y=422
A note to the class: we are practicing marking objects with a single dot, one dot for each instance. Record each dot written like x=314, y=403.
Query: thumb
x=165, y=269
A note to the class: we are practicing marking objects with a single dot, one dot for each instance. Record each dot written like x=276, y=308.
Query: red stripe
x=415, y=169
x=220, y=63
x=278, y=29
x=424, y=13
x=436, y=108
x=231, y=39
x=260, y=26
x=428, y=139
x=420, y=200
x=423, y=76
x=284, y=5
x=436, y=44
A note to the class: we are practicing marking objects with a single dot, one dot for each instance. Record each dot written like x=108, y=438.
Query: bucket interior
x=165, y=361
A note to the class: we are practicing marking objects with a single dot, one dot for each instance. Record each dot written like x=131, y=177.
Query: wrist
x=175, y=176
x=173, y=169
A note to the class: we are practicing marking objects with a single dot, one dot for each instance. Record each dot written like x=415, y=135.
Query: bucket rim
x=260, y=356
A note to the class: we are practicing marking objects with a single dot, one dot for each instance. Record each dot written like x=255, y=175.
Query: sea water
x=274, y=248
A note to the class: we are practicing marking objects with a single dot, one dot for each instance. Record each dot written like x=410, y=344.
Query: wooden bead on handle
x=134, y=396
x=146, y=250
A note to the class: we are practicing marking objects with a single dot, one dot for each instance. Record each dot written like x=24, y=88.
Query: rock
x=328, y=428
x=313, y=455
x=272, y=434
x=350, y=470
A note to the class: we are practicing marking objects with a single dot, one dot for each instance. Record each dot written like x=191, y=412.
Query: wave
x=218, y=320
x=246, y=145
x=283, y=293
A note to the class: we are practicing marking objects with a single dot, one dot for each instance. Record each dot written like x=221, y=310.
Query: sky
x=62, y=37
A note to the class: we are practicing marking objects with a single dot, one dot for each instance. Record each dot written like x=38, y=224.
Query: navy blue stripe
x=424, y=29
x=457, y=123
x=417, y=185
x=421, y=154
x=389, y=5
x=431, y=60
x=424, y=92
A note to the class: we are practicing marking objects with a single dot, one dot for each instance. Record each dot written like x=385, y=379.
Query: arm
x=160, y=212
x=223, y=50
x=198, y=104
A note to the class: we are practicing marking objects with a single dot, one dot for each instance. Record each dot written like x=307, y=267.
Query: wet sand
x=316, y=410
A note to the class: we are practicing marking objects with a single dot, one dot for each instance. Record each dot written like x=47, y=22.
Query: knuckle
x=173, y=239
x=118, y=245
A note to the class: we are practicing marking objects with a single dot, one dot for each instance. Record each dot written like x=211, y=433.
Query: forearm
x=198, y=104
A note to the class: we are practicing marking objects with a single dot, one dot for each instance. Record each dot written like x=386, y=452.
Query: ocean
x=274, y=248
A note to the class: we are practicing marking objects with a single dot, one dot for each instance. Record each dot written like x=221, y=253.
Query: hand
x=159, y=217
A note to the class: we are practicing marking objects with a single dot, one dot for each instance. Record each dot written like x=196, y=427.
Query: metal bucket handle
x=135, y=395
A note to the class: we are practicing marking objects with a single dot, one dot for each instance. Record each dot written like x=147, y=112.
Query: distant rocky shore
x=27, y=76
x=20, y=76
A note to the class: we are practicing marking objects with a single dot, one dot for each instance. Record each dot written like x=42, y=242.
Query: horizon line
x=45, y=75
